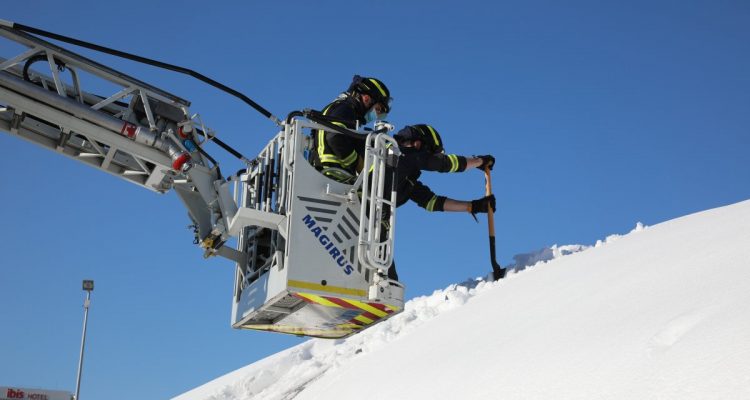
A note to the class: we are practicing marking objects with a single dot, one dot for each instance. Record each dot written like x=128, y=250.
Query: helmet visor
x=383, y=107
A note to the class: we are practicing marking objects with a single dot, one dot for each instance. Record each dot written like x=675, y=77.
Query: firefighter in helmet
x=422, y=150
x=340, y=156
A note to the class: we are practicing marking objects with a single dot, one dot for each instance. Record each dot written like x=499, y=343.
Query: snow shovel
x=498, y=272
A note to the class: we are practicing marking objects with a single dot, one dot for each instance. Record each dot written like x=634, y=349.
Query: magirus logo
x=329, y=246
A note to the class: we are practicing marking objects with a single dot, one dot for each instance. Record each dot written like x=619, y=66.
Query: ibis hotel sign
x=16, y=393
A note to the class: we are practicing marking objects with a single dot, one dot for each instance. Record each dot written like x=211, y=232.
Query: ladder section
x=77, y=107
x=133, y=130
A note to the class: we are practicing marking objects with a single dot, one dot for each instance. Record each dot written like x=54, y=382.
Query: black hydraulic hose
x=36, y=58
x=292, y=115
x=345, y=131
x=279, y=179
x=338, y=129
x=148, y=61
x=229, y=149
x=269, y=179
x=321, y=119
x=261, y=187
x=215, y=164
x=310, y=113
x=224, y=146
x=200, y=150
x=318, y=117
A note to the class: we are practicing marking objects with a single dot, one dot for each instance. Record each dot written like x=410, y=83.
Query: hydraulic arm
x=136, y=132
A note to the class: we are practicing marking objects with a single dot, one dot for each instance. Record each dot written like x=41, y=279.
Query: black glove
x=487, y=161
x=482, y=205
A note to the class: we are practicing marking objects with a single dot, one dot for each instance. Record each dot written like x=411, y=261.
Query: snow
x=660, y=313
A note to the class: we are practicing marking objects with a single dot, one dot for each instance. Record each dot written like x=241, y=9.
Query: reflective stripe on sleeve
x=431, y=204
x=454, y=162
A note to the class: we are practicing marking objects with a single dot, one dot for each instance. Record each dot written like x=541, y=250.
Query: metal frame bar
x=20, y=58
x=95, y=134
x=111, y=99
x=89, y=66
x=55, y=54
x=373, y=252
x=112, y=147
x=55, y=74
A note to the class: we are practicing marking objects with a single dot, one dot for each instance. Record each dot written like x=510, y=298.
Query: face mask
x=371, y=115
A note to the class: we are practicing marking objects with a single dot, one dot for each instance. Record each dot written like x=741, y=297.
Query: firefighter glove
x=483, y=204
x=487, y=161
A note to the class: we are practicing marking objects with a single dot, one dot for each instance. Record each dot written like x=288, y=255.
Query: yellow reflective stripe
x=434, y=135
x=327, y=288
x=454, y=162
x=366, y=307
x=319, y=300
x=350, y=159
x=392, y=308
x=321, y=143
x=431, y=203
x=378, y=86
x=326, y=158
x=321, y=134
x=362, y=319
x=337, y=174
x=330, y=158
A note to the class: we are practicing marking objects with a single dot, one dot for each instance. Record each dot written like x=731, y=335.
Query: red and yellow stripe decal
x=370, y=312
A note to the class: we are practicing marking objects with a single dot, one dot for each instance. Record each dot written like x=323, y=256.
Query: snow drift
x=663, y=312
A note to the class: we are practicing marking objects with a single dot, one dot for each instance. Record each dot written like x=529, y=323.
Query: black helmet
x=374, y=88
x=430, y=138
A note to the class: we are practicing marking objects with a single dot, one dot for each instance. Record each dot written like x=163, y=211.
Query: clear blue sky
x=600, y=115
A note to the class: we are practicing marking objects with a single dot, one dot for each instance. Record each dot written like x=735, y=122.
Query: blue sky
x=600, y=115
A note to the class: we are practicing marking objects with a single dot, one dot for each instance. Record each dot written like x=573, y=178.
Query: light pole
x=88, y=286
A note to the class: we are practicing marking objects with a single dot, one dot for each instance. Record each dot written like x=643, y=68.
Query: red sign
x=15, y=394
x=129, y=130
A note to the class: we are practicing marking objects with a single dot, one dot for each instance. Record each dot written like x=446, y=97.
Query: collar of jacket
x=360, y=111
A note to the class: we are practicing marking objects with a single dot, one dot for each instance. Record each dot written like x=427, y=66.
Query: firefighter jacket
x=336, y=150
x=410, y=166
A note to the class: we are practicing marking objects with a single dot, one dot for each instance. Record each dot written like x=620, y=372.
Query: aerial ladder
x=311, y=254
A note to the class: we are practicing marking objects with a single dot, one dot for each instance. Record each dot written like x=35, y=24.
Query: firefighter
x=422, y=150
x=338, y=156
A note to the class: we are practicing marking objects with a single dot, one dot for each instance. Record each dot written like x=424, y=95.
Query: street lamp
x=88, y=286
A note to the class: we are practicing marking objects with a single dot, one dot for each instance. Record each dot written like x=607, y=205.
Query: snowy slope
x=663, y=312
